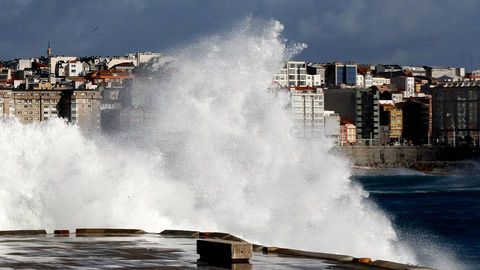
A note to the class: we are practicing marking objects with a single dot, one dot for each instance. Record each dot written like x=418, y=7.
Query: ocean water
x=443, y=211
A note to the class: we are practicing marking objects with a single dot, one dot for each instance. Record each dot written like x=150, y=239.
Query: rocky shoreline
x=420, y=159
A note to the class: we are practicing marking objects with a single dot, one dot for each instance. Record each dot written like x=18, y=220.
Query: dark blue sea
x=440, y=215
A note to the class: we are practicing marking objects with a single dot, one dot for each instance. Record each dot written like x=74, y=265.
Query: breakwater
x=430, y=159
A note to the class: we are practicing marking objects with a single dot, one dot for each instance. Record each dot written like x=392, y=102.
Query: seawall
x=430, y=159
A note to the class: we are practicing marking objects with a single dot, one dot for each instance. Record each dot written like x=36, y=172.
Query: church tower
x=49, y=50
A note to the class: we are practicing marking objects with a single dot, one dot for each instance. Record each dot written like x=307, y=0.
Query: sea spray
x=233, y=164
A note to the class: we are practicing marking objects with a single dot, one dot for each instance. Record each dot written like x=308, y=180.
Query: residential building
x=348, y=133
x=392, y=118
x=316, y=72
x=341, y=101
x=378, y=81
x=387, y=68
x=73, y=68
x=5, y=75
x=416, y=113
x=7, y=105
x=83, y=109
x=415, y=70
x=308, y=112
x=52, y=61
x=359, y=106
x=367, y=116
x=360, y=80
x=22, y=64
x=437, y=72
x=456, y=113
x=35, y=105
x=297, y=71
x=332, y=125
x=341, y=74
x=404, y=84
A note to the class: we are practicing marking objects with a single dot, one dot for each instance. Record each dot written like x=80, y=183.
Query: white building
x=293, y=74
x=397, y=97
x=379, y=81
x=315, y=80
x=74, y=68
x=60, y=68
x=360, y=80
x=437, y=72
x=308, y=112
x=332, y=125
x=53, y=61
x=368, y=80
x=416, y=71
x=21, y=64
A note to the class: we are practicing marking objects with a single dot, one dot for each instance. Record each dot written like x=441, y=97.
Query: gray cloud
x=436, y=32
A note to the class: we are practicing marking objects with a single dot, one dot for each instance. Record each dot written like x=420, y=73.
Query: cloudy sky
x=430, y=32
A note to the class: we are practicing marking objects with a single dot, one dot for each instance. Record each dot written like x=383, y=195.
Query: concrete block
x=362, y=260
x=107, y=232
x=61, y=232
x=219, y=251
x=23, y=232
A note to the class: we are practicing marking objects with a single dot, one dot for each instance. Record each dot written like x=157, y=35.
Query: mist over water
x=218, y=156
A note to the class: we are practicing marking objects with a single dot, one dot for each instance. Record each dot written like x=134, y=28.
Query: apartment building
x=308, y=112
x=339, y=73
x=82, y=108
x=35, y=106
x=7, y=106
x=293, y=74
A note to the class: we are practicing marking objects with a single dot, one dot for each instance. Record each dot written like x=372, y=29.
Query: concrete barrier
x=307, y=254
x=107, y=232
x=23, y=232
x=217, y=251
x=220, y=235
x=180, y=233
x=397, y=266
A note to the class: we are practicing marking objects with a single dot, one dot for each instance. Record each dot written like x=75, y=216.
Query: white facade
x=332, y=125
x=73, y=69
x=360, y=80
x=55, y=59
x=379, y=81
x=416, y=71
x=60, y=69
x=315, y=80
x=437, y=72
x=21, y=64
x=397, y=97
x=308, y=113
x=293, y=74
x=368, y=80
